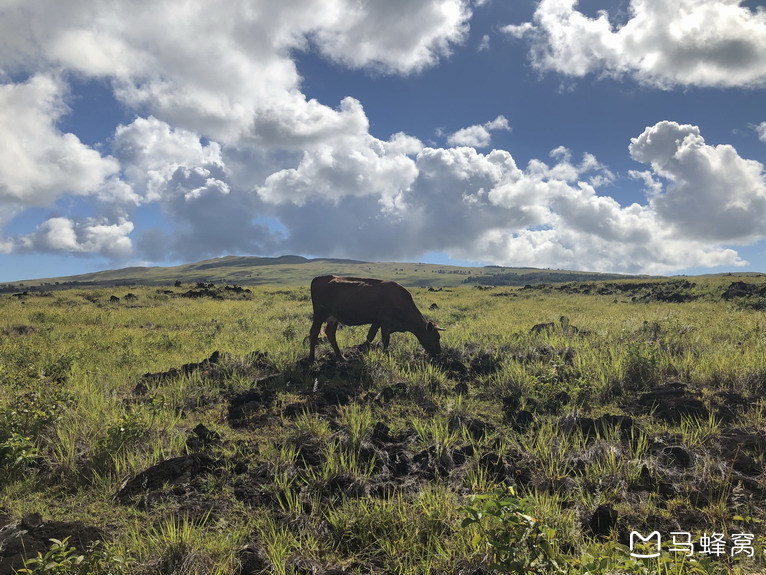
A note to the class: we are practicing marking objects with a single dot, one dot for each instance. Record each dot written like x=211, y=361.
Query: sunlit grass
x=90, y=429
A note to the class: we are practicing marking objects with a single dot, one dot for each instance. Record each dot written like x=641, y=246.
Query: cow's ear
x=431, y=326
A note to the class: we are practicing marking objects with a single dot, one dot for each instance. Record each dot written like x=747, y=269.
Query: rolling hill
x=290, y=269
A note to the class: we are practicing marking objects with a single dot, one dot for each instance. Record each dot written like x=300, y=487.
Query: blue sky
x=625, y=136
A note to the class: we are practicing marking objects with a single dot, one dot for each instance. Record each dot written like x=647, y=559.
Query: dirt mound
x=32, y=536
x=177, y=477
x=149, y=379
x=670, y=402
x=246, y=406
x=601, y=426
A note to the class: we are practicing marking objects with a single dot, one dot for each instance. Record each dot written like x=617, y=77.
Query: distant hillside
x=290, y=269
x=523, y=277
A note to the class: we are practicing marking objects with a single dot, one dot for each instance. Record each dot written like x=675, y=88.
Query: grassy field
x=189, y=435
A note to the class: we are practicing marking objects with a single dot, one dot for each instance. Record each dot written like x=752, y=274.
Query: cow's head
x=430, y=339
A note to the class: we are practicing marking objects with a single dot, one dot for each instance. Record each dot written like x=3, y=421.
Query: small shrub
x=16, y=453
x=63, y=559
x=31, y=411
x=640, y=367
x=519, y=542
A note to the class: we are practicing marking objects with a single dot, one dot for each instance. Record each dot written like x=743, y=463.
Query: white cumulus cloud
x=547, y=214
x=39, y=163
x=478, y=135
x=663, y=42
x=711, y=193
x=82, y=236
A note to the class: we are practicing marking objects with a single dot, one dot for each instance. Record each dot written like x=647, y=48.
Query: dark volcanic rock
x=177, y=472
x=253, y=488
x=600, y=426
x=678, y=454
x=252, y=561
x=202, y=438
x=644, y=482
x=729, y=405
x=476, y=428
x=603, y=520
x=743, y=448
x=32, y=536
x=381, y=434
x=742, y=289
x=243, y=405
x=484, y=363
x=522, y=420
x=164, y=376
x=671, y=402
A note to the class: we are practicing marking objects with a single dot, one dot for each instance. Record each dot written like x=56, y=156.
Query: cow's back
x=357, y=301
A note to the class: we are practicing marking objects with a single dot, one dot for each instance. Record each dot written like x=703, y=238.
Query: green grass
x=307, y=483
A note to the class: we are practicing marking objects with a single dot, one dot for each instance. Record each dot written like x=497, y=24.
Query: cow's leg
x=385, y=335
x=316, y=327
x=372, y=333
x=329, y=330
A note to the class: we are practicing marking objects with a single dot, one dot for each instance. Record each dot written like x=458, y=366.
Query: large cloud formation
x=663, y=42
x=227, y=155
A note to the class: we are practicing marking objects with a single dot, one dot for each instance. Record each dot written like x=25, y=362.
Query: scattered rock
x=310, y=454
x=729, y=405
x=476, y=428
x=390, y=392
x=203, y=438
x=671, y=402
x=743, y=448
x=644, y=482
x=522, y=420
x=337, y=391
x=678, y=455
x=484, y=364
x=243, y=406
x=600, y=426
x=252, y=561
x=742, y=289
x=187, y=369
x=176, y=474
x=461, y=388
x=603, y=520
x=381, y=434
x=31, y=520
x=541, y=327
x=496, y=466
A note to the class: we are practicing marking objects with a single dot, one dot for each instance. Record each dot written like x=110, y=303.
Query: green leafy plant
x=61, y=558
x=16, y=452
x=518, y=541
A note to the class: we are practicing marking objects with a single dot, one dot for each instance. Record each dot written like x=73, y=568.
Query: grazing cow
x=359, y=301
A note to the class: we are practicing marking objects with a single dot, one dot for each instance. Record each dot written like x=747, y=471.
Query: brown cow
x=359, y=301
